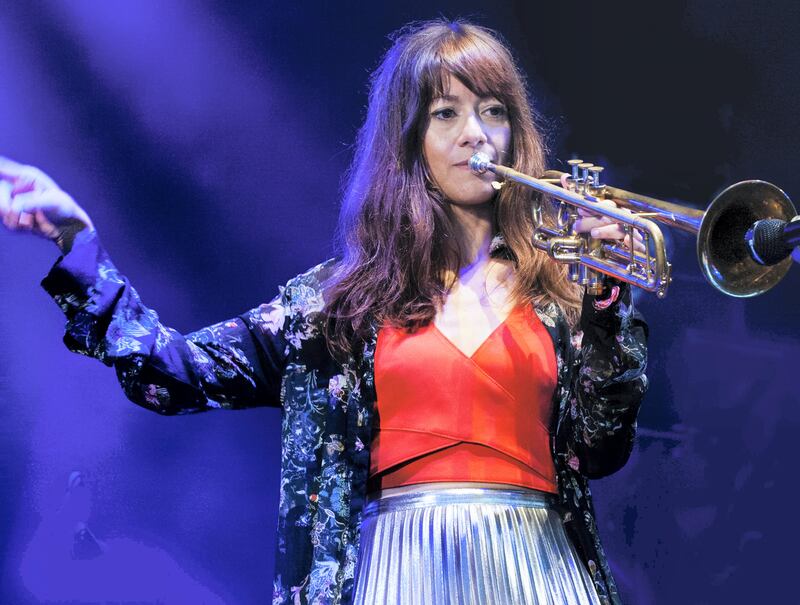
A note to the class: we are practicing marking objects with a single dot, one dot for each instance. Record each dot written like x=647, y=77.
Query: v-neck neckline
x=471, y=357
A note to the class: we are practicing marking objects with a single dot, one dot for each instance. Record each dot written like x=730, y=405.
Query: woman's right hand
x=31, y=202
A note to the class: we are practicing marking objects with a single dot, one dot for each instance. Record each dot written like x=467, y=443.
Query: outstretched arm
x=233, y=364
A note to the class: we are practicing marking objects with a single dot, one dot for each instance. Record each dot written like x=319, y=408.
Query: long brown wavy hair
x=394, y=223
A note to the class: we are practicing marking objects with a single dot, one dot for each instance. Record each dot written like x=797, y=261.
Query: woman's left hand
x=603, y=227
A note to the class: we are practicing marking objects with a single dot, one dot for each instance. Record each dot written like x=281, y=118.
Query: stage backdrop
x=208, y=139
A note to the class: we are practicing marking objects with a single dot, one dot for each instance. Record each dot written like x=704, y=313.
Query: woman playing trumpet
x=446, y=390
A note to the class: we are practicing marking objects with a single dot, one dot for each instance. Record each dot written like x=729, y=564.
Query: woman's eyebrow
x=456, y=98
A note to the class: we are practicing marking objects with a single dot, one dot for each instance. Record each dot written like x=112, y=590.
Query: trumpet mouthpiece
x=479, y=163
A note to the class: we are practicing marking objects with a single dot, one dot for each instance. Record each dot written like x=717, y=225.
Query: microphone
x=771, y=240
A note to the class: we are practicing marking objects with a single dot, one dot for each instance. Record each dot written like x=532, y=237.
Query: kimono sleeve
x=233, y=364
x=609, y=384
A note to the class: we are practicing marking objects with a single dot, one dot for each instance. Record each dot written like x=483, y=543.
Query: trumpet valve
x=595, y=184
x=574, y=164
x=583, y=180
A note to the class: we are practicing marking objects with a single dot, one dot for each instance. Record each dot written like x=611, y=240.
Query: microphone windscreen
x=768, y=241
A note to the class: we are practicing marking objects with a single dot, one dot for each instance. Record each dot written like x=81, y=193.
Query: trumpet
x=722, y=249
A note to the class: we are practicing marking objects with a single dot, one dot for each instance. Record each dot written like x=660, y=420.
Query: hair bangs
x=472, y=55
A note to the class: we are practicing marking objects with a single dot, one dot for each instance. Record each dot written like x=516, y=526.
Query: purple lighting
x=208, y=141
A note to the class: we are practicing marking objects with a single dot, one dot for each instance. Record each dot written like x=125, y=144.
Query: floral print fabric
x=275, y=355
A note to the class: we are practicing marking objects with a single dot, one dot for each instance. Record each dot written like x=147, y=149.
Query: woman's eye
x=444, y=114
x=496, y=111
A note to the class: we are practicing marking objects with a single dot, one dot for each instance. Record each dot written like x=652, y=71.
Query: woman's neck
x=479, y=293
x=474, y=229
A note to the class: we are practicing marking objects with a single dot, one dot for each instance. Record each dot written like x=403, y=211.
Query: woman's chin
x=477, y=197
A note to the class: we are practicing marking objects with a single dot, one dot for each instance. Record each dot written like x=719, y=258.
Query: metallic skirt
x=471, y=544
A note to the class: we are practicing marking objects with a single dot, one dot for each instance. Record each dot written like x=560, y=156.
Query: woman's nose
x=472, y=134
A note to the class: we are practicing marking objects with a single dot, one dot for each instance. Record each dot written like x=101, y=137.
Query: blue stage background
x=208, y=140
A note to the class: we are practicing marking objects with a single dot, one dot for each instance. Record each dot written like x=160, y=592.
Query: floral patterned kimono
x=275, y=355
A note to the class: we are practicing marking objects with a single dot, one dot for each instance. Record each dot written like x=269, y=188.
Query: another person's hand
x=31, y=202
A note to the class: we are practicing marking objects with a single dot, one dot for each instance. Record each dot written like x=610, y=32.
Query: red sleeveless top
x=443, y=416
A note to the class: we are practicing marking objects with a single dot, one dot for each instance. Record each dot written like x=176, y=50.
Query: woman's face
x=461, y=123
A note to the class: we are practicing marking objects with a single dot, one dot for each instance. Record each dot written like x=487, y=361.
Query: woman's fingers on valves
x=600, y=205
x=638, y=242
x=610, y=231
x=588, y=220
x=604, y=227
x=617, y=232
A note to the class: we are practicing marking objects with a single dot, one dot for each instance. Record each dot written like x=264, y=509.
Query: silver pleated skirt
x=467, y=544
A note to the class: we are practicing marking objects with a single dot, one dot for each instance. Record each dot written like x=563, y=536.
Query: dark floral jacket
x=275, y=355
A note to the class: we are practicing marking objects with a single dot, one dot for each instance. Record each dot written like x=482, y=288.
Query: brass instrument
x=722, y=250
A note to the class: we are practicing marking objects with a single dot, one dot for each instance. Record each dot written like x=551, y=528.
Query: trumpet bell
x=722, y=250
